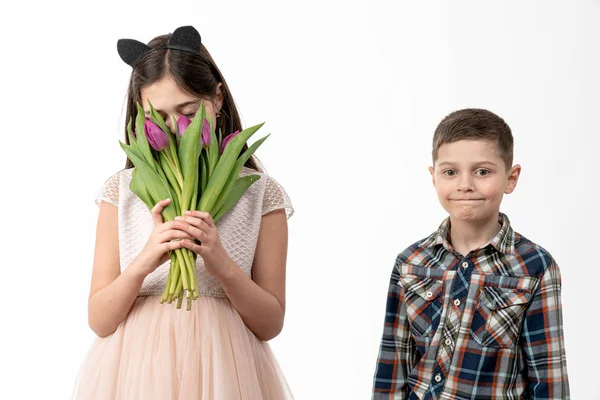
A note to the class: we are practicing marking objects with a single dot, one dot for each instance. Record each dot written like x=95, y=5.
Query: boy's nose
x=465, y=184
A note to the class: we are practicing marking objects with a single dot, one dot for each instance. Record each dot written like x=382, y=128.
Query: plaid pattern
x=487, y=325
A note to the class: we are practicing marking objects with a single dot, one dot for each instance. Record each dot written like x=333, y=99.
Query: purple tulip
x=182, y=123
x=227, y=140
x=205, y=133
x=156, y=137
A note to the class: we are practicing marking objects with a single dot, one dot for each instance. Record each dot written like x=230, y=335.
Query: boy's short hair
x=475, y=124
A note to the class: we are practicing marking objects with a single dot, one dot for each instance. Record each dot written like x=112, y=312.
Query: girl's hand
x=162, y=239
x=200, y=226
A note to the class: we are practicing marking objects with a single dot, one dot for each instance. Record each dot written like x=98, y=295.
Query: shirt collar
x=504, y=241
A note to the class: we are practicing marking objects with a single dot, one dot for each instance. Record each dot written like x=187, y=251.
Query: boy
x=473, y=310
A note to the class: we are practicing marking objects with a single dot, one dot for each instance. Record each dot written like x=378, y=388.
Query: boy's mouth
x=467, y=199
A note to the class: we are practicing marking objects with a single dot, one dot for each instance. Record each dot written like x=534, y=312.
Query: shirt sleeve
x=109, y=191
x=543, y=342
x=276, y=198
x=397, y=349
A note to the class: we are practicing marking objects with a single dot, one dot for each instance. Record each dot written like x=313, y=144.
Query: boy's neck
x=466, y=236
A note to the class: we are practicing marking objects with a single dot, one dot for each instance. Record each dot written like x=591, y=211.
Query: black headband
x=184, y=38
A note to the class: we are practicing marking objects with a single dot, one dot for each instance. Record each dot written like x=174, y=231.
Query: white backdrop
x=351, y=92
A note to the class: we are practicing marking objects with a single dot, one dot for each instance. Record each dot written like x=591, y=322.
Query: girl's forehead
x=166, y=94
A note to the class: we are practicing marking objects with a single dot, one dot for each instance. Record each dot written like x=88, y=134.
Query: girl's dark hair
x=194, y=73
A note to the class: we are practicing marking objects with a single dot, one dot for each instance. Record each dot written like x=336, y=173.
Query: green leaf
x=156, y=185
x=189, y=152
x=220, y=138
x=158, y=120
x=250, y=151
x=142, y=140
x=203, y=173
x=190, y=144
x=169, y=174
x=137, y=186
x=133, y=148
x=213, y=150
x=194, y=201
x=224, y=169
x=176, y=133
x=238, y=190
x=132, y=138
x=236, y=171
x=174, y=195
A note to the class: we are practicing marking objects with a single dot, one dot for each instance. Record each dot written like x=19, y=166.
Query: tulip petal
x=213, y=151
x=228, y=139
x=205, y=133
x=157, y=138
x=142, y=141
x=182, y=123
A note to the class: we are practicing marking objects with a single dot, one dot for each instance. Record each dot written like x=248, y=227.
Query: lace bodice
x=238, y=228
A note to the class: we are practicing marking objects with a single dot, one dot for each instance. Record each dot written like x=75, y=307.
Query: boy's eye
x=482, y=172
x=449, y=172
x=190, y=116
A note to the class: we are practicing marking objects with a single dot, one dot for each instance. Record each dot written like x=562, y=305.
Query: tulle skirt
x=160, y=352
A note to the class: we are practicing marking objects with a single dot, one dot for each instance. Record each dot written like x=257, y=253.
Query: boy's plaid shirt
x=484, y=326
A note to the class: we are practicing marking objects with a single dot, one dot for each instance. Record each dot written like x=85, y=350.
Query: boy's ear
x=432, y=172
x=513, y=178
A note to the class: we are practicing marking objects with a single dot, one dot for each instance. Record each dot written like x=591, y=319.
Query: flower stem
x=172, y=179
x=179, y=287
x=192, y=270
x=175, y=168
x=176, y=277
x=169, y=278
x=179, y=301
x=184, y=268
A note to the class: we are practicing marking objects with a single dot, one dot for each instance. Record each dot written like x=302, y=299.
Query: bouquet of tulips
x=194, y=167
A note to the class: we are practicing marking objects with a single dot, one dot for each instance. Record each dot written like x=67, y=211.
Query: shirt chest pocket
x=423, y=300
x=498, y=316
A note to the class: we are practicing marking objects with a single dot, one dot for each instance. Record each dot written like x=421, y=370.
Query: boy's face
x=471, y=178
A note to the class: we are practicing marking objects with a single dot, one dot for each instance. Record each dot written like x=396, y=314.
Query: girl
x=148, y=350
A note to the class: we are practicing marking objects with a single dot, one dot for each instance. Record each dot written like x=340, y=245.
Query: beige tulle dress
x=160, y=352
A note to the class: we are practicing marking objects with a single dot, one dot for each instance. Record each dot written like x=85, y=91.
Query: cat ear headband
x=184, y=38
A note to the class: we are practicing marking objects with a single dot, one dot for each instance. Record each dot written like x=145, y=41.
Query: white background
x=351, y=92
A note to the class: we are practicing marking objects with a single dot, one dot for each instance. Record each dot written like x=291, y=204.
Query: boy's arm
x=397, y=347
x=542, y=341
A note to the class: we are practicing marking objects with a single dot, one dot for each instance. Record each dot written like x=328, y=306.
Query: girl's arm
x=112, y=293
x=259, y=300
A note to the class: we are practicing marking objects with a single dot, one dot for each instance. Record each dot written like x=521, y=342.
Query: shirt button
x=429, y=294
x=438, y=378
x=465, y=265
x=457, y=302
x=448, y=342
